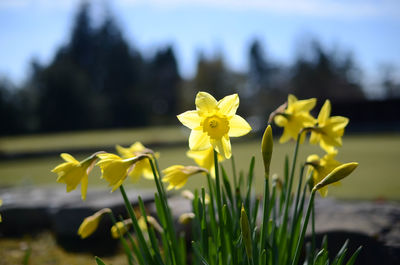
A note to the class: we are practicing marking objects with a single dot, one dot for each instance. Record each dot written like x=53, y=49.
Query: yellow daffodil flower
x=91, y=223
x=141, y=168
x=329, y=130
x=73, y=172
x=295, y=117
x=205, y=159
x=178, y=175
x=114, y=169
x=321, y=167
x=122, y=227
x=212, y=123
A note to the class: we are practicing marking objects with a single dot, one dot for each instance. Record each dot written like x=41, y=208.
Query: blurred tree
x=213, y=77
x=391, y=88
x=94, y=81
x=163, y=82
x=325, y=75
x=10, y=112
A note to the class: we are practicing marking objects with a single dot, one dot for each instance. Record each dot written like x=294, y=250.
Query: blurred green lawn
x=377, y=176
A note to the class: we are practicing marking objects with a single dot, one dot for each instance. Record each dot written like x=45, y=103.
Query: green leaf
x=99, y=261
x=354, y=256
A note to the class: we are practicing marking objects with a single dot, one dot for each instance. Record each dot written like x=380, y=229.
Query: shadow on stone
x=373, y=251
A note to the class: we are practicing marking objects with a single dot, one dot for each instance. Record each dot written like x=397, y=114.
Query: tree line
x=98, y=80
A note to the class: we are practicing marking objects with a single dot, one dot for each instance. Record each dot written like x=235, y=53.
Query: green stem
x=264, y=228
x=167, y=212
x=219, y=209
x=122, y=239
x=304, y=228
x=142, y=241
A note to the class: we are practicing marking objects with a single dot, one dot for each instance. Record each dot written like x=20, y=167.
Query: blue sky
x=370, y=29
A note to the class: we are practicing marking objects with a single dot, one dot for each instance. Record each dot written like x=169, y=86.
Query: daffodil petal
x=291, y=99
x=228, y=105
x=190, y=119
x=238, y=126
x=198, y=140
x=205, y=103
x=223, y=147
x=305, y=105
x=68, y=158
x=325, y=112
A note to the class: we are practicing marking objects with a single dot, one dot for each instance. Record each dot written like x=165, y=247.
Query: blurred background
x=81, y=76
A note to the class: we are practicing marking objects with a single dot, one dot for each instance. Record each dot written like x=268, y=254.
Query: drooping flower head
x=321, y=167
x=295, y=117
x=91, y=223
x=73, y=172
x=213, y=122
x=178, y=175
x=329, y=130
x=114, y=169
x=205, y=159
x=142, y=167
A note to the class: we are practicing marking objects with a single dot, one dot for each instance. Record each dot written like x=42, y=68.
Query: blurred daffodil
x=73, y=172
x=321, y=167
x=186, y=218
x=91, y=223
x=114, y=169
x=329, y=130
x=205, y=159
x=213, y=122
x=187, y=194
x=178, y=175
x=121, y=228
x=294, y=118
x=141, y=168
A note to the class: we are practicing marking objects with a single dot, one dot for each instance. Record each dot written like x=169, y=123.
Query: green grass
x=376, y=177
x=90, y=139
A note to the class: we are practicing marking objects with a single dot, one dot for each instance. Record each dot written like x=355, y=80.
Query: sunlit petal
x=190, y=119
x=238, y=126
x=228, y=105
x=205, y=103
x=198, y=140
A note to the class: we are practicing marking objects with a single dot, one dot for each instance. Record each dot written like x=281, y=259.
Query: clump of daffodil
x=142, y=168
x=91, y=223
x=321, y=167
x=121, y=228
x=214, y=122
x=205, y=159
x=114, y=169
x=329, y=130
x=178, y=175
x=73, y=172
x=294, y=118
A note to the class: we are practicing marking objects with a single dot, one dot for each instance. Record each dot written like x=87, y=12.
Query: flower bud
x=246, y=233
x=337, y=174
x=186, y=218
x=266, y=149
x=91, y=223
